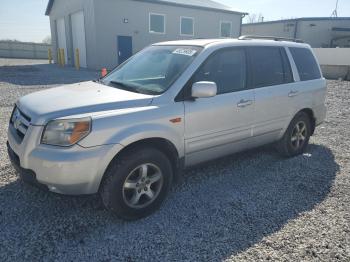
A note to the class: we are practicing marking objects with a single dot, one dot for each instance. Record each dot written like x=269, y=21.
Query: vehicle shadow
x=217, y=210
x=44, y=74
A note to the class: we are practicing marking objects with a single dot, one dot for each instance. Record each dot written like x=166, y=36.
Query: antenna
x=335, y=12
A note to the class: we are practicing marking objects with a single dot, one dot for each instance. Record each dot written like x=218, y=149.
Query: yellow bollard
x=49, y=54
x=77, y=59
x=58, y=56
x=63, y=58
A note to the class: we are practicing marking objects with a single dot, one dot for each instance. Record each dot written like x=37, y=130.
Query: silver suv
x=170, y=106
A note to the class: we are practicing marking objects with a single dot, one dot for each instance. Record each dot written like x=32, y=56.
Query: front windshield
x=153, y=70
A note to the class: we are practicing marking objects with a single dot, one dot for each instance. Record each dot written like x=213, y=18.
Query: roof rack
x=275, y=38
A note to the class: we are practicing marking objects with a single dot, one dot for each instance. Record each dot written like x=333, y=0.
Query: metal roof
x=48, y=7
x=301, y=19
x=197, y=4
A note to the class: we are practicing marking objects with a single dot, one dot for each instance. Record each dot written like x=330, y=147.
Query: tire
x=295, y=142
x=136, y=183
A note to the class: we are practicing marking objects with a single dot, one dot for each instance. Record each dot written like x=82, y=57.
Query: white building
x=107, y=32
x=316, y=31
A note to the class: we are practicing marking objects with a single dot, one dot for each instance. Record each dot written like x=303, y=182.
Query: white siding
x=61, y=36
x=78, y=36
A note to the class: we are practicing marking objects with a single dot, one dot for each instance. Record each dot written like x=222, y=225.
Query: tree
x=255, y=18
x=47, y=40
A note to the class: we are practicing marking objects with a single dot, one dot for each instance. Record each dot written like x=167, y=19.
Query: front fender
x=133, y=125
x=139, y=132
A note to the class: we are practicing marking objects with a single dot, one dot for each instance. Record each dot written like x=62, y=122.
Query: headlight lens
x=66, y=132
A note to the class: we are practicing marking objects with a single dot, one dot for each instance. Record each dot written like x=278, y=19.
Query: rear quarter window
x=306, y=64
x=267, y=66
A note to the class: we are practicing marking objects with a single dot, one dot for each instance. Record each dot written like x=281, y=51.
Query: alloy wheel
x=142, y=186
x=299, y=135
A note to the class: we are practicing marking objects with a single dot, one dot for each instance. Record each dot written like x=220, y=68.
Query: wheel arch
x=311, y=115
x=161, y=144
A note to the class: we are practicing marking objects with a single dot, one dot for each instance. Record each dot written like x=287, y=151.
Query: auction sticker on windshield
x=185, y=51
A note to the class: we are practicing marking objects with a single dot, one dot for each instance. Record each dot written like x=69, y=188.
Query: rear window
x=306, y=64
x=268, y=66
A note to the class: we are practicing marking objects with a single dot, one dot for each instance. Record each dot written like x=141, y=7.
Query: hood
x=77, y=99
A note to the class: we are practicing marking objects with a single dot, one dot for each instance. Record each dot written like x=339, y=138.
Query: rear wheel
x=137, y=183
x=297, y=136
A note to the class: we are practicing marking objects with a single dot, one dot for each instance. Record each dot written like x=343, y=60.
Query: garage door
x=61, y=36
x=78, y=33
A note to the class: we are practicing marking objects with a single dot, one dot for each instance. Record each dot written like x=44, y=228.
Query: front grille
x=20, y=122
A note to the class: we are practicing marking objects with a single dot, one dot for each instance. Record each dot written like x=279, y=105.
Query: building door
x=78, y=35
x=61, y=37
x=124, y=48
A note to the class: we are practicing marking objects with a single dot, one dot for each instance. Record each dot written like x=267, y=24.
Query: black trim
x=287, y=68
x=237, y=140
x=26, y=175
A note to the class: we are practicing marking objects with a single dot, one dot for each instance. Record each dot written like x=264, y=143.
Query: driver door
x=220, y=125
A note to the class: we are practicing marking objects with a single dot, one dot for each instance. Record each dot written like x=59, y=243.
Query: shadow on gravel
x=44, y=74
x=218, y=210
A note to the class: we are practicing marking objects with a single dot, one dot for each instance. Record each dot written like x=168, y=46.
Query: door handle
x=244, y=103
x=293, y=93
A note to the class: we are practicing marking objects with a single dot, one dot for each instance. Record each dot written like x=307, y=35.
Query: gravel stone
x=251, y=206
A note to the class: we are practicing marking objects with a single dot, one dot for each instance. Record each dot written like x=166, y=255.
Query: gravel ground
x=251, y=206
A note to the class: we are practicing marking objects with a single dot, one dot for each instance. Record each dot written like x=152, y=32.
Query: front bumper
x=73, y=171
x=27, y=175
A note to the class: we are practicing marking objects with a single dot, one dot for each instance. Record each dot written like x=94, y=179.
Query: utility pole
x=335, y=12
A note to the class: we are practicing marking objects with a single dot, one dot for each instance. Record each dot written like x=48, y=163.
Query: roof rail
x=275, y=38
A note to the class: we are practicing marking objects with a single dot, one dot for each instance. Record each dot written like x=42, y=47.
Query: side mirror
x=204, y=89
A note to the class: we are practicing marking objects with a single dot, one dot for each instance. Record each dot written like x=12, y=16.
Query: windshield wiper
x=97, y=81
x=125, y=86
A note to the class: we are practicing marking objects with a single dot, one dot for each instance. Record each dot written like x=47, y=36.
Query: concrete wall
x=104, y=21
x=335, y=62
x=317, y=33
x=9, y=49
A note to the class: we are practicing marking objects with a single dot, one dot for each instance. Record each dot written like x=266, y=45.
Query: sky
x=24, y=20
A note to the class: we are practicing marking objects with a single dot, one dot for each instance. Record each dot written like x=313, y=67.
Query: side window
x=267, y=66
x=306, y=64
x=226, y=68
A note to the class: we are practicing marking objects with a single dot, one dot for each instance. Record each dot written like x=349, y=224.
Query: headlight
x=66, y=132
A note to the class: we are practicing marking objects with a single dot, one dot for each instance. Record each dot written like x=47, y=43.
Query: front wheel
x=297, y=136
x=137, y=183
